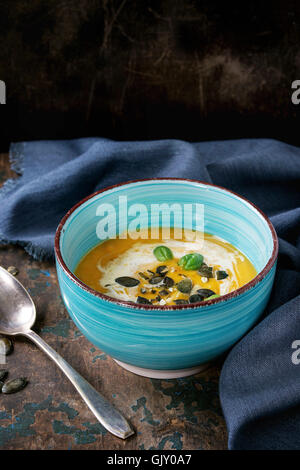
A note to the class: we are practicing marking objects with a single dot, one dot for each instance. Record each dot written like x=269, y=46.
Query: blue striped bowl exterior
x=168, y=337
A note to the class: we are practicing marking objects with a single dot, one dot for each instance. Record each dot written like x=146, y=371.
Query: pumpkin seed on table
x=162, y=253
x=3, y=374
x=127, y=281
x=13, y=270
x=6, y=346
x=221, y=275
x=185, y=286
x=191, y=261
x=14, y=385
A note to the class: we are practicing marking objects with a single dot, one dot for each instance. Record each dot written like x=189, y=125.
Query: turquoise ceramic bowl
x=168, y=338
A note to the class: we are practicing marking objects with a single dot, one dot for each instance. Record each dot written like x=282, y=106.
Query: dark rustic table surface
x=180, y=414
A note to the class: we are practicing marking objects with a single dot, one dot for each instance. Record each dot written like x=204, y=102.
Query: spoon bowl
x=17, y=310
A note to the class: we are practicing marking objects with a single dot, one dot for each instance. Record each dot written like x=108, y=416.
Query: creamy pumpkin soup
x=165, y=271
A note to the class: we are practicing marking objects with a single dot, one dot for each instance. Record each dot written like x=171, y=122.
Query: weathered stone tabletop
x=49, y=414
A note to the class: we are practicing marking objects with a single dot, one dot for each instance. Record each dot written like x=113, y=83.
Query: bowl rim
x=135, y=306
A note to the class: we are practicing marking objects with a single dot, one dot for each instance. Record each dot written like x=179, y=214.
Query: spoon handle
x=108, y=416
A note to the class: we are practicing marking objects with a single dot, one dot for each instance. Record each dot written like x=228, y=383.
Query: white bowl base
x=163, y=374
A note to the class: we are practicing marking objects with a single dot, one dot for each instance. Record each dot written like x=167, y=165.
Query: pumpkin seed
x=127, y=281
x=168, y=281
x=162, y=270
x=143, y=300
x=156, y=279
x=221, y=275
x=206, y=271
x=185, y=286
x=164, y=292
x=180, y=301
x=14, y=385
x=162, y=253
x=153, y=291
x=6, y=346
x=158, y=298
x=191, y=261
x=204, y=293
x=3, y=374
x=13, y=270
x=195, y=298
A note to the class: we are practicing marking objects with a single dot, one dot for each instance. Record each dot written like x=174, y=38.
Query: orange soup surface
x=165, y=271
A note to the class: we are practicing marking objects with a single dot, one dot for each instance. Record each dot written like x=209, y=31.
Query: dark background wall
x=141, y=69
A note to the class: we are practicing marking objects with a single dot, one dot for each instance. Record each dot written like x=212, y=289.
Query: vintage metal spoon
x=17, y=316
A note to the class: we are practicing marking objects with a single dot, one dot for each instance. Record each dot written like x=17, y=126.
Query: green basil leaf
x=215, y=296
x=162, y=253
x=191, y=261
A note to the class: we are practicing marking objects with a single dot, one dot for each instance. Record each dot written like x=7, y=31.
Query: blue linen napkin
x=259, y=384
